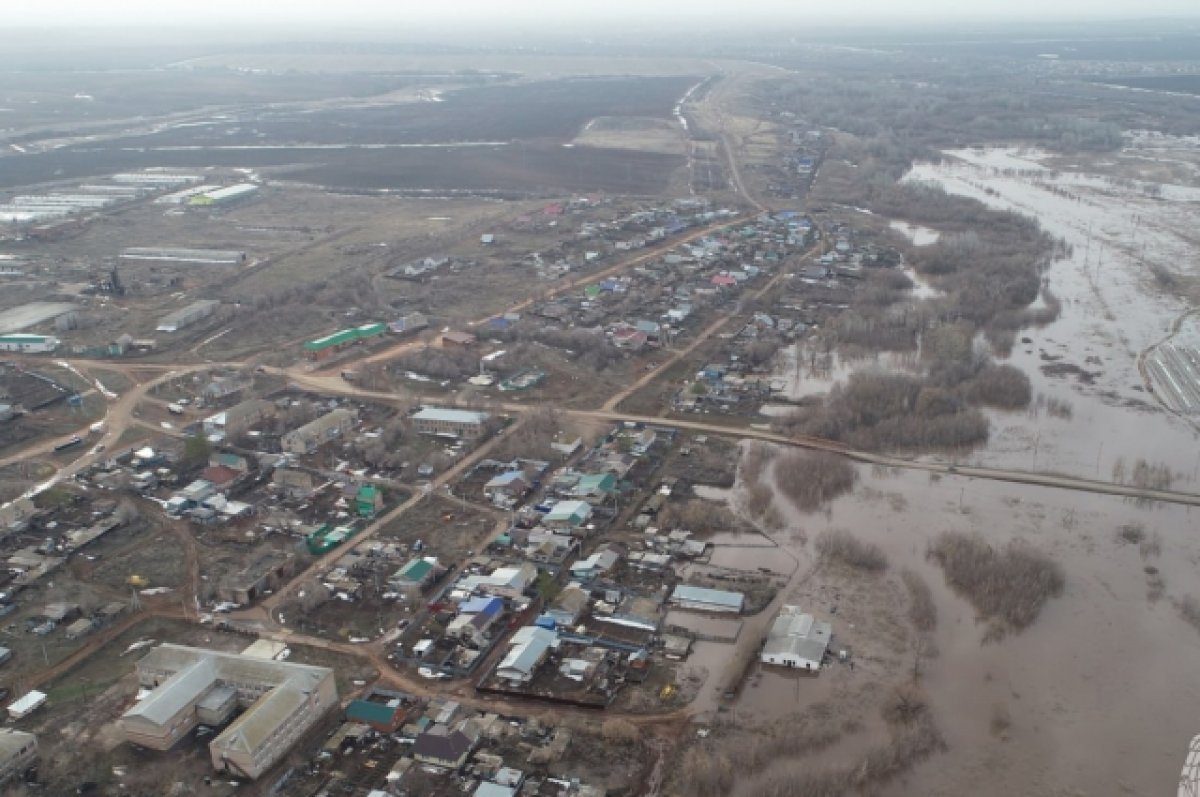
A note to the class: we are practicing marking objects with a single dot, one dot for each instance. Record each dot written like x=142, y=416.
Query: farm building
x=29, y=344
x=196, y=257
x=191, y=686
x=450, y=423
x=224, y=196
x=797, y=640
x=707, y=600
x=186, y=316
x=326, y=347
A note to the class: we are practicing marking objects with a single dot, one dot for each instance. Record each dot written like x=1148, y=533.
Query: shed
x=26, y=704
x=708, y=600
x=80, y=628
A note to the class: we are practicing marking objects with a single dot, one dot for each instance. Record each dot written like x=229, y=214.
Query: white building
x=702, y=599
x=797, y=640
x=29, y=344
x=530, y=647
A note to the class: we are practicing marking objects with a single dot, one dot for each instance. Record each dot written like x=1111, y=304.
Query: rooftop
x=439, y=414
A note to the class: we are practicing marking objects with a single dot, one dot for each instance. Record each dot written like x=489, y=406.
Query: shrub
x=876, y=410
x=1000, y=386
x=619, y=730
x=809, y=478
x=1010, y=585
x=921, y=609
x=1131, y=533
x=1189, y=610
x=839, y=545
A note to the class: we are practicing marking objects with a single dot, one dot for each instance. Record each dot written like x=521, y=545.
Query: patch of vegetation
x=921, y=609
x=839, y=545
x=812, y=478
x=875, y=410
x=1131, y=533
x=1008, y=585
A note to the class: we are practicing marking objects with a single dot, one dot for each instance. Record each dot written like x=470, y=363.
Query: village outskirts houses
x=315, y=433
x=237, y=420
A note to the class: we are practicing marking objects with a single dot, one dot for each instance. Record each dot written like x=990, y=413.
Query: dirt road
x=708, y=332
x=646, y=255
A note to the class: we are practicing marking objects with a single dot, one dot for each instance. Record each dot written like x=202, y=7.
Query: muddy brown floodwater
x=1099, y=689
x=1098, y=695
x=1113, y=312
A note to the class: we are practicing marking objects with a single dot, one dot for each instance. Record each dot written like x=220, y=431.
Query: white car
x=425, y=672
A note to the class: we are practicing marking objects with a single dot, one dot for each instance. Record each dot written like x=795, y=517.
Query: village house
x=529, y=647
x=417, y=575
x=316, y=433
x=440, y=746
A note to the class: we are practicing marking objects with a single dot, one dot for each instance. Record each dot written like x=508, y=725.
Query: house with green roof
x=368, y=500
x=415, y=576
x=595, y=488
x=381, y=709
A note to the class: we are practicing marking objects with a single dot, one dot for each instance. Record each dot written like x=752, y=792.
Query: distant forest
x=1181, y=84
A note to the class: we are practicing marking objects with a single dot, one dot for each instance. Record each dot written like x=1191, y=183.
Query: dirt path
x=391, y=352
x=711, y=330
x=324, y=562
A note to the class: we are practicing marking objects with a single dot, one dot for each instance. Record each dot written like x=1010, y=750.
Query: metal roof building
x=530, y=647
x=33, y=344
x=797, y=640
x=282, y=700
x=449, y=422
x=185, y=316
x=707, y=600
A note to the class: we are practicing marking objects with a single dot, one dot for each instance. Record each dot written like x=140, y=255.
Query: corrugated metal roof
x=530, y=644
x=371, y=713
x=450, y=416
x=176, y=692
x=416, y=570
x=249, y=731
x=715, y=597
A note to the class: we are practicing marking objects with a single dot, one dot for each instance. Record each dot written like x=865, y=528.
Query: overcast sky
x=357, y=13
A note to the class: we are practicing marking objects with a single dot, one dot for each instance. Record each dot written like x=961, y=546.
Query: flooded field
x=1089, y=365
x=920, y=236
x=807, y=370
x=1072, y=683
